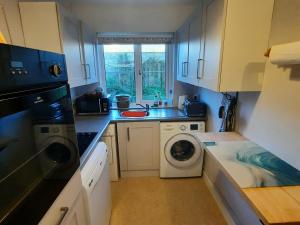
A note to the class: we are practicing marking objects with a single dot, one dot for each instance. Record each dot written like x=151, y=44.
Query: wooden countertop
x=274, y=205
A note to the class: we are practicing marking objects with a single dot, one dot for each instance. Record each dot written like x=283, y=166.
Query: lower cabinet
x=138, y=146
x=109, y=138
x=69, y=207
x=77, y=215
x=237, y=210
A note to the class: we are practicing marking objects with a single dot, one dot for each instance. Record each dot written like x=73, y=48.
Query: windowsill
x=134, y=106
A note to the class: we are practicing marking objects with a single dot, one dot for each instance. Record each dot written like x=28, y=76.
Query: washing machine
x=181, y=154
x=57, y=145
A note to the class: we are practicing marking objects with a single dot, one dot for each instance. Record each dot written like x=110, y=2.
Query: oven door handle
x=64, y=211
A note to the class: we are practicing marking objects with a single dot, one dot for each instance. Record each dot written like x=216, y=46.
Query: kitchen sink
x=134, y=113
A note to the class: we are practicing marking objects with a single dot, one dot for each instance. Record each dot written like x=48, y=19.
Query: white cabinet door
x=182, y=53
x=40, y=25
x=195, y=45
x=77, y=214
x=213, y=28
x=49, y=27
x=4, y=26
x=230, y=45
x=109, y=138
x=73, y=50
x=139, y=146
x=89, y=51
x=67, y=204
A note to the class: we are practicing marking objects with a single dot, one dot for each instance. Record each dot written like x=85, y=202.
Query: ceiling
x=133, y=1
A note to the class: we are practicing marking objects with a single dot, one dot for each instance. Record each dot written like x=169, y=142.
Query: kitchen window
x=120, y=69
x=139, y=70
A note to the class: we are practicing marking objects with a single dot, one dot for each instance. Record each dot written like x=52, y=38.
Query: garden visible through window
x=121, y=66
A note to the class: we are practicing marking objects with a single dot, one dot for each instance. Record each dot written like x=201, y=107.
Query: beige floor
x=154, y=201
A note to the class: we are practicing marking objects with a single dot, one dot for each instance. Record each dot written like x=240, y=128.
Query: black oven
x=38, y=145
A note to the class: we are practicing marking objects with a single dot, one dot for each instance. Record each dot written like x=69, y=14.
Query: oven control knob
x=55, y=70
x=182, y=127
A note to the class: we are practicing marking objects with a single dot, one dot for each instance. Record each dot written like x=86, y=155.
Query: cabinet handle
x=92, y=180
x=199, y=77
x=84, y=68
x=128, y=133
x=89, y=73
x=186, y=69
x=64, y=211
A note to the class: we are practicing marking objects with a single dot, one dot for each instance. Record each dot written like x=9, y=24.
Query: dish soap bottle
x=159, y=99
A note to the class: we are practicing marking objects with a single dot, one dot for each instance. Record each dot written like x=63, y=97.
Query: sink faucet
x=147, y=107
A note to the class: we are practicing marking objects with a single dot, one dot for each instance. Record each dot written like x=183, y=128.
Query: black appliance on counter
x=38, y=145
x=195, y=108
x=90, y=104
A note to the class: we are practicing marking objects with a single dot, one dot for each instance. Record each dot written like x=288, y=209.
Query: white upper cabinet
x=195, y=47
x=232, y=37
x=89, y=51
x=4, y=26
x=47, y=26
x=213, y=28
x=183, y=52
x=72, y=48
x=40, y=26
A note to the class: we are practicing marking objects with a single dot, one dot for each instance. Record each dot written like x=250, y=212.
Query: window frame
x=138, y=69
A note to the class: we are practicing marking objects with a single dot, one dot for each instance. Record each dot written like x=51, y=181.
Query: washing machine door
x=57, y=154
x=183, y=150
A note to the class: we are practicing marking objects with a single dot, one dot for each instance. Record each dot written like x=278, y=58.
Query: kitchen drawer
x=65, y=200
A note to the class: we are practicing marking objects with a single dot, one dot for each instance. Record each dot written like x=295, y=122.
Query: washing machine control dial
x=182, y=127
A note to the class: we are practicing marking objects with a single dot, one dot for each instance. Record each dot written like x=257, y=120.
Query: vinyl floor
x=155, y=201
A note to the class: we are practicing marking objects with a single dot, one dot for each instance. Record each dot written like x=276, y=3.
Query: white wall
x=271, y=117
x=213, y=101
x=133, y=17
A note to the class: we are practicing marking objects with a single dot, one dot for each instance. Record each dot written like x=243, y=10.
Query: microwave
x=92, y=104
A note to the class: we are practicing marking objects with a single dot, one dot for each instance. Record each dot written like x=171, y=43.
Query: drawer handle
x=64, y=211
x=92, y=180
x=101, y=163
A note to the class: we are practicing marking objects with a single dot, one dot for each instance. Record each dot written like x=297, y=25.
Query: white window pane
x=153, y=71
x=118, y=48
x=154, y=48
x=119, y=70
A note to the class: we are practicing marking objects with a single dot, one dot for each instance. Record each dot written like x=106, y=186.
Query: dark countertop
x=99, y=123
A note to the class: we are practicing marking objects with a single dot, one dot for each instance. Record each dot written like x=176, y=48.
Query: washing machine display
x=181, y=151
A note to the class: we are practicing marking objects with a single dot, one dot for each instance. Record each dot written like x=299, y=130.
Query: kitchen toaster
x=195, y=108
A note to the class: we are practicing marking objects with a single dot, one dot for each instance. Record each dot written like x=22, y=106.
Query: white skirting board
x=225, y=211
